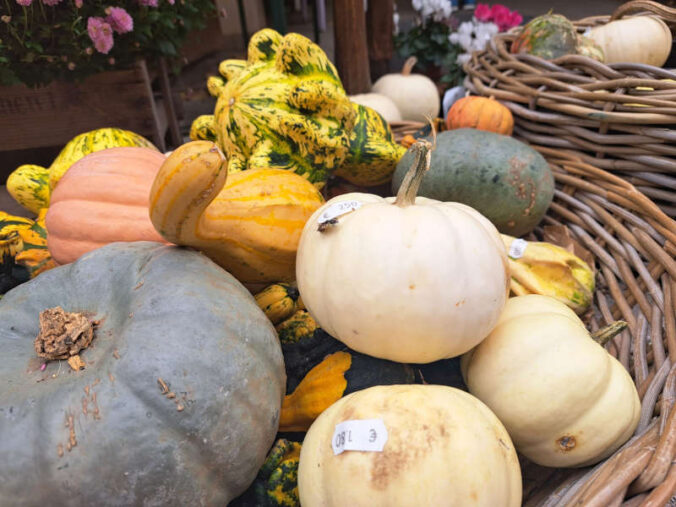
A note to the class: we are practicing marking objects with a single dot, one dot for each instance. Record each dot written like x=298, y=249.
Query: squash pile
x=249, y=342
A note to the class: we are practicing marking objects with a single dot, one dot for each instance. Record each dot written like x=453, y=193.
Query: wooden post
x=351, y=48
x=379, y=30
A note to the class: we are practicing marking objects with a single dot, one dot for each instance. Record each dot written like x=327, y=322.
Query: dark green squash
x=178, y=403
x=506, y=180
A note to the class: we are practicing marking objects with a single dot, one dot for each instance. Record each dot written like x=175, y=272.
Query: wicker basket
x=634, y=245
x=618, y=117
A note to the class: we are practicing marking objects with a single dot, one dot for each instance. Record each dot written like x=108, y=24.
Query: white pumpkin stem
x=408, y=65
x=409, y=187
x=605, y=334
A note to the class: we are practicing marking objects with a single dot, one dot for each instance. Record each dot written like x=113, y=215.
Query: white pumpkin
x=415, y=95
x=564, y=400
x=411, y=280
x=443, y=447
x=382, y=104
x=640, y=39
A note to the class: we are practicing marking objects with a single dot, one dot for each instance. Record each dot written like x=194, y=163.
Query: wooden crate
x=54, y=114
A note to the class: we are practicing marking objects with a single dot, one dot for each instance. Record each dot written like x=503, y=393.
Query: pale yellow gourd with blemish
x=564, y=400
x=249, y=225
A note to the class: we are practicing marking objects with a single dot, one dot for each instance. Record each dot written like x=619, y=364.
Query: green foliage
x=41, y=43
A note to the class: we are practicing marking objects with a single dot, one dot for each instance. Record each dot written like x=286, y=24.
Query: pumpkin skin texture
x=505, y=180
x=640, y=39
x=482, y=114
x=444, y=447
x=427, y=282
x=103, y=198
x=132, y=444
x=250, y=225
x=565, y=401
x=282, y=108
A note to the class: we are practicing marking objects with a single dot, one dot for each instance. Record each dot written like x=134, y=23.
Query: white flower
x=473, y=36
x=438, y=10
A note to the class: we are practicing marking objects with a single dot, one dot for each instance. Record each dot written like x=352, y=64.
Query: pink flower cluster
x=498, y=14
x=101, y=30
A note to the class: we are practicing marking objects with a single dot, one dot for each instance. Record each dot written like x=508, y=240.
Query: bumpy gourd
x=373, y=154
x=279, y=301
x=31, y=185
x=250, y=225
x=203, y=128
x=282, y=108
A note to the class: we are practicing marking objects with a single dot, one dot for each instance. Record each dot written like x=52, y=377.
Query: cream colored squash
x=640, y=39
x=444, y=447
x=408, y=279
x=564, y=400
x=415, y=95
x=382, y=104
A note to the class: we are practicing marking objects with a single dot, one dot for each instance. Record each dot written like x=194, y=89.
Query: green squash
x=506, y=180
x=178, y=403
x=548, y=36
x=284, y=108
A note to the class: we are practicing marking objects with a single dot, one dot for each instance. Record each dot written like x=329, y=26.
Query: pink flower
x=119, y=19
x=515, y=19
x=24, y=3
x=78, y=3
x=51, y=2
x=171, y=2
x=482, y=12
x=503, y=20
x=148, y=3
x=101, y=34
x=497, y=10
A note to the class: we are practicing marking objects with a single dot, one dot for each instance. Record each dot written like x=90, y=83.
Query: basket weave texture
x=633, y=243
x=619, y=117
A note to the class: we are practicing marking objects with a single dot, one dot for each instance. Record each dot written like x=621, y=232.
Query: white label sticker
x=338, y=209
x=359, y=435
x=517, y=248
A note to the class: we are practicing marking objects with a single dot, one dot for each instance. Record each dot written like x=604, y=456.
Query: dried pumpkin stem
x=409, y=187
x=607, y=333
x=408, y=65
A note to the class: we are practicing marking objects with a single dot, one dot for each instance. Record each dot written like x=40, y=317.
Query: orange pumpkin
x=102, y=198
x=482, y=114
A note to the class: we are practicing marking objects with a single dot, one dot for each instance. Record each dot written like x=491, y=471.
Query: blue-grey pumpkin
x=179, y=400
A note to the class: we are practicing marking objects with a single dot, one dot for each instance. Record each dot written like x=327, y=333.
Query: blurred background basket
x=619, y=117
x=633, y=243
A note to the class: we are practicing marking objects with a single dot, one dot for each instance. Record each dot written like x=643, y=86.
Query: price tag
x=359, y=435
x=517, y=248
x=337, y=209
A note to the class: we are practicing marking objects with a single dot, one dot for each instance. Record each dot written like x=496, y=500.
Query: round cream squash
x=640, y=39
x=415, y=95
x=564, y=400
x=409, y=279
x=382, y=104
x=443, y=447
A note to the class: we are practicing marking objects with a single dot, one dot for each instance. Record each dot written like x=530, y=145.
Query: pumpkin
x=298, y=326
x=279, y=301
x=384, y=105
x=283, y=108
x=415, y=95
x=548, y=36
x=321, y=370
x=639, y=39
x=23, y=246
x=564, y=400
x=405, y=279
x=504, y=179
x=31, y=185
x=102, y=198
x=373, y=154
x=442, y=447
x=482, y=114
x=203, y=128
x=251, y=226
x=589, y=48
x=549, y=270
x=193, y=392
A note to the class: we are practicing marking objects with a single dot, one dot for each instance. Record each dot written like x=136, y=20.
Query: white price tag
x=517, y=248
x=359, y=435
x=338, y=209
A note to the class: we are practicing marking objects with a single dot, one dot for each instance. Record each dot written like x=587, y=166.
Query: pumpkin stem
x=607, y=333
x=409, y=187
x=408, y=65
x=62, y=334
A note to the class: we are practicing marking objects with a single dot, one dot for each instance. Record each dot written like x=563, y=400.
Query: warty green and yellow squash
x=31, y=185
x=282, y=108
x=279, y=301
x=250, y=224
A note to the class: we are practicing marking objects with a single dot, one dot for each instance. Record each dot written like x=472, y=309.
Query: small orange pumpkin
x=482, y=114
x=102, y=198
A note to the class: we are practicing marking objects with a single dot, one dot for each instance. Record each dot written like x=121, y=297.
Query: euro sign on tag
x=359, y=435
